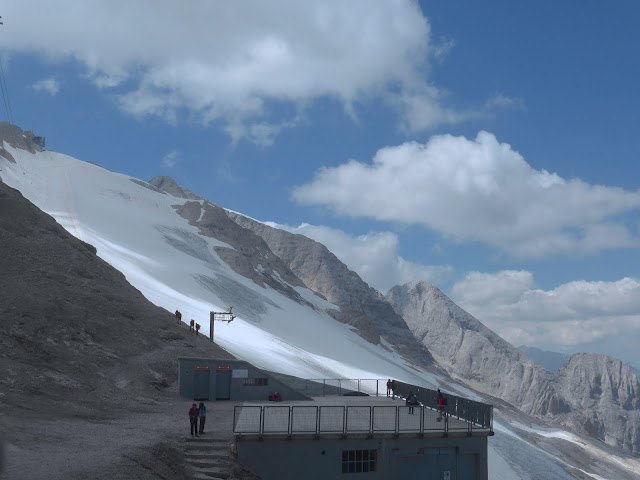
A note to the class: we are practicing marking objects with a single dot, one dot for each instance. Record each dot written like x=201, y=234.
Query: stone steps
x=208, y=458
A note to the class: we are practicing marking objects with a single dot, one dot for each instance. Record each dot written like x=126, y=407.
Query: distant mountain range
x=552, y=361
x=301, y=312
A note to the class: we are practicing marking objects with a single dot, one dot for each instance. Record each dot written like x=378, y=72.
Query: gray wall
x=465, y=458
x=187, y=368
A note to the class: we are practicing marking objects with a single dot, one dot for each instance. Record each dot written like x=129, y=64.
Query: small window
x=359, y=461
x=255, y=382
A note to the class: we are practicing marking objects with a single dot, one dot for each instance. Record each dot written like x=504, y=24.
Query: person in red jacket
x=194, y=412
x=441, y=402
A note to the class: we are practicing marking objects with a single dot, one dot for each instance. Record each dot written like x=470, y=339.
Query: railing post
x=290, y=426
x=397, y=419
x=421, y=419
x=344, y=419
x=370, y=420
x=262, y=420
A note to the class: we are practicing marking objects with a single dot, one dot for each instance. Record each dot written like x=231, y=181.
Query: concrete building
x=223, y=379
x=353, y=431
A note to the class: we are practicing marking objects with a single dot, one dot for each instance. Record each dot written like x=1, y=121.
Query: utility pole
x=219, y=317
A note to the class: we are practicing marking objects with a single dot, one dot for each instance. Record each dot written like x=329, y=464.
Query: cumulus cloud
x=48, y=85
x=373, y=256
x=235, y=61
x=478, y=190
x=573, y=314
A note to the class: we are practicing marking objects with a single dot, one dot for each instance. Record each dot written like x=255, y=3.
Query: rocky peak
x=169, y=185
x=590, y=380
x=17, y=138
x=473, y=353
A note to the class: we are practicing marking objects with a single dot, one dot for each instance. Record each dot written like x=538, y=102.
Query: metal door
x=447, y=461
x=201, y=387
x=223, y=384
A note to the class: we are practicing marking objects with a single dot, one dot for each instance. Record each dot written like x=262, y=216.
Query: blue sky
x=491, y=148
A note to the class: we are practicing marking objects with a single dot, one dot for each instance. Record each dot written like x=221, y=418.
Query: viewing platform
x=342, y=416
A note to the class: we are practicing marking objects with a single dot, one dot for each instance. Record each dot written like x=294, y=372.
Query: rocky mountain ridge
x=471, y=352
x=321, y=271
x=592, y=394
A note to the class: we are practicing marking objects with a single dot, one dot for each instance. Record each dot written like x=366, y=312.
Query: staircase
x=209, y=458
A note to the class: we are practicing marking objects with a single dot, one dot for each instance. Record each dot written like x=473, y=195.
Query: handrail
x=322, y=420
x=460, y=407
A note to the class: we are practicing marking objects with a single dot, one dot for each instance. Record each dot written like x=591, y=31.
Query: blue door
x=201, y=387
x=447, y=461
x=223, y=384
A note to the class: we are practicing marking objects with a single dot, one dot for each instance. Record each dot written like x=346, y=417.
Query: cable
x=5, y=93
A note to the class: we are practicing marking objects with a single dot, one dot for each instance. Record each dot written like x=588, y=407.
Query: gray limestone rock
x=604, y=396
x=592, y=394
x=321, y=271
x=169, y=185
x=17, y=138
x=473, y=353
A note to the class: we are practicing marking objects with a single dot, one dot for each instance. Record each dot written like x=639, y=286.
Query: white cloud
x=235, y=61
x=170, y=159
x=573, y=314
x=373, y=256
x=478, y=190
x=49, y=85
x=502, y=101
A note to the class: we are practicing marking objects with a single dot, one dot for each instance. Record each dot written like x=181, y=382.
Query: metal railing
x=344, y=420
x=459, y=407
x=322, y=387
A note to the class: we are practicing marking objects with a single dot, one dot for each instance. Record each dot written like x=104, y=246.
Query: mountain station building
x=337, y=428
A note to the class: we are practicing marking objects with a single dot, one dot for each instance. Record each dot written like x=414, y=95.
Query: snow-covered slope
x=178, y=261
x=136, y=229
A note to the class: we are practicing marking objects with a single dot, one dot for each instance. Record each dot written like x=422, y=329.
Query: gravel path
x=122, y=445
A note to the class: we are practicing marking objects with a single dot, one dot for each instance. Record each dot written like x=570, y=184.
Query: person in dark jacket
x=411, y=401
x=194, y=412
x=178, y=317
x=202, y=412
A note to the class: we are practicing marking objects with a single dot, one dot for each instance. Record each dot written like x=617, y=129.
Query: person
x=393, y=389
x=202, y=412
x=193, y=419
x=389, y=388
x=197, y=328
x=178, y=317
x=276, y=397
x=192, y=324
x=411, y=401
x=440, y=402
